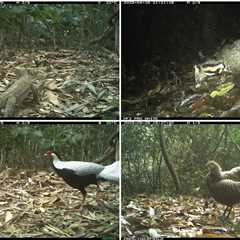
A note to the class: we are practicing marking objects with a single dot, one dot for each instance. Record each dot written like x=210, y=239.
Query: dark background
x=165, y=33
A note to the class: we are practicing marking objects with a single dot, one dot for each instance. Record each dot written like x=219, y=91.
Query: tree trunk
x=168, y=163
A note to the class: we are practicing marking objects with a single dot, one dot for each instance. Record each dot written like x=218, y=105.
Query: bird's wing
x=110, y=172
x=233, y=174
x=226, y=191
x=80, y=168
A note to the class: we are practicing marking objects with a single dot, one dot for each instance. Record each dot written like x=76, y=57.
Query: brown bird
x=218, y=173
x=221, y=186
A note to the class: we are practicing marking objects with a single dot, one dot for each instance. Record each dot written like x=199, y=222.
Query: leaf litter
x=63, y=79
x=145, y=216
x=40, y=204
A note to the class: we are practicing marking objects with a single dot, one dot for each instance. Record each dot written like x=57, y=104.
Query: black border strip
x=20, y=122
x=58, y=2
x=176, y=118
x=170, y=123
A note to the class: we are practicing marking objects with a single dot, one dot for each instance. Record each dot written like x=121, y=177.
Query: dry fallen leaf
x=52, y=97
x=8, y=217
x=52, y=85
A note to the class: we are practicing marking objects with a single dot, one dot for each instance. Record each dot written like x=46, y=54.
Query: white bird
x=79, y=174
x=110, y=172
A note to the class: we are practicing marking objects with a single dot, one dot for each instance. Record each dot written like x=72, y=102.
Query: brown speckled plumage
x=221, y=186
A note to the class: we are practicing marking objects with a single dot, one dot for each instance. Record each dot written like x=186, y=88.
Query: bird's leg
x=98, y=190
x=81, y=206
x=230, y=209
x=225, y=211
x=84, y=193
x=225, y=216
x=83, y=201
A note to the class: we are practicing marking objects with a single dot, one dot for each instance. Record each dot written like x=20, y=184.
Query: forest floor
x=188, y=216
x=70, y=83
x=41, y=204
x=176, y=95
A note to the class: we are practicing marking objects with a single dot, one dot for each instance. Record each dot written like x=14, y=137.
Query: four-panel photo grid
x=119, y=119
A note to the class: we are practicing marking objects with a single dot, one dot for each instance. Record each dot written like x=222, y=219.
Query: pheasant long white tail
x=110, y=172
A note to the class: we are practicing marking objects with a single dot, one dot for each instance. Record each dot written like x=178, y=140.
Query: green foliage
x=25, y=145
x=52, y=25
x=189, y=147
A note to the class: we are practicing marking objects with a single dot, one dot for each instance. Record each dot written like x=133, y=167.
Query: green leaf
x=222, y=89
x=91, y=88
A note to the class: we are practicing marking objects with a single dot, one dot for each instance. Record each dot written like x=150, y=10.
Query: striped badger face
x=209, y=74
